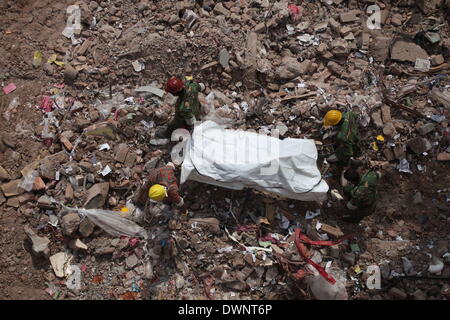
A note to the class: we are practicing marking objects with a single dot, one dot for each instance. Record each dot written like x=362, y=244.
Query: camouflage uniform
x=164, y=176
x=363, y=195
x=187, y=107
x=347, y=139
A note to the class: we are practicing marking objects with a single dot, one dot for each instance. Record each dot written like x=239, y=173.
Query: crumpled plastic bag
x=27, y=182
x=321, y=289
x=11, y=107
x=111, y=222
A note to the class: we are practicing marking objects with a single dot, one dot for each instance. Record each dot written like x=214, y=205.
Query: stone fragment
x=70, y=223
x=389, y=130
x=219, y=9
x=419, y=145
x=97, y=194
x=340, y=48
x=77, y=244
x=68, y=195
x=131, y=261
x=336, y=232
x=86, y=227
x=130, y=159
x=426, y=128
x=388, y=154
x=51, y=164
x=396, y=20
x=380, y=48
x=46, y=202
x=403, y=50
x=396, y=293
x=443, y=156
x=386, y=113
x=348, y=17
x=376, y=118
x=399, y=152
x=39, y=244
x=4, y=175
x=11, y=189
x=212, y=224
x=437, y=60
x=70, y=73
x=121, y=153
x=291, y=68
x=224, y=58
x=60, y=264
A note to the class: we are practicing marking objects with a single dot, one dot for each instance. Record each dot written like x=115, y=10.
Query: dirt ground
x=153, y=32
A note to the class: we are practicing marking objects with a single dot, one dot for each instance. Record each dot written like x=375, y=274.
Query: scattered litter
x=9, y=88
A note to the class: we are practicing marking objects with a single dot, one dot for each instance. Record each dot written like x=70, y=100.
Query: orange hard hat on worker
x=174, y=85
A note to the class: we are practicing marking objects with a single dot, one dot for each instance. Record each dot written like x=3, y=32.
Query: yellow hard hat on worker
x=332, y=118
x=157, y=192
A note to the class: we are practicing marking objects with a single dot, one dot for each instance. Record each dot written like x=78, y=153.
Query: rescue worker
x=361, y=191
x=187, y=105
x=347, y=140
x=161, y=185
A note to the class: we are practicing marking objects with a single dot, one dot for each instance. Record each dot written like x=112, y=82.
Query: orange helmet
x=174, y=85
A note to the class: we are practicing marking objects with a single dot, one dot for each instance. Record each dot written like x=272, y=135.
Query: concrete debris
x=419, y=145
x=407, y=51
x=60, y=263
x=11, y=188
x=70, y=223
x=96, y=195
x=84, y=136
x=39, y=244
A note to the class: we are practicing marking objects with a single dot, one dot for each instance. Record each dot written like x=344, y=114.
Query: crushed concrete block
x=376, y=117
x=212, y=224
x=4, y=175
x=419, y=145
x=11, y=189
x=130, y=159
x=437, y=60
x=348, y=17
x=86, y=227
x=407, y=51
x=39, y=244
x=77, y=244
x=51, y=164
x=70, y=223
x=46, y=202
x=380, y=48
x=97, y=194
x=121, y=153
x=386, y=113
x=426, y=128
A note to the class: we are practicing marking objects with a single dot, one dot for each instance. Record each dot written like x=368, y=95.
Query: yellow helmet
x=157, y=192
x=332, y=118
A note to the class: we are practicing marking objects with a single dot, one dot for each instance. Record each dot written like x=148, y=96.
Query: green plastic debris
x=355, y=247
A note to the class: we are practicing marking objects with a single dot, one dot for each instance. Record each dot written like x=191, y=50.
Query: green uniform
x=187, y=107
x=347, y=139
x=364, y=195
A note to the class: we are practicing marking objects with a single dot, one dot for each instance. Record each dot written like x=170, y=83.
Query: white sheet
x=236, y=159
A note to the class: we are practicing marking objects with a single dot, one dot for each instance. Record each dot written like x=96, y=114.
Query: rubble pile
x=266, y=65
